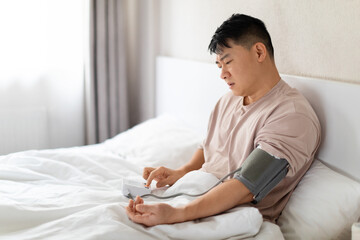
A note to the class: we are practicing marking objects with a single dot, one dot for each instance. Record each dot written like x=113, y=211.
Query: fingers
x=130, y=210
x=142, y=208
x=132, y=204
x=139, y=200
x=162, y=183
x=164, y=176
x=150, y=215
x=133, y=214
x=147, y=172
x=137, y=212
x=157, y=173
x=169, y=178
x=130, y=207
x=149, y=180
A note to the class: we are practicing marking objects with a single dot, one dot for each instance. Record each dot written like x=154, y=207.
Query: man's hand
x=221, y=198
x=151, y=215
x=164, y=176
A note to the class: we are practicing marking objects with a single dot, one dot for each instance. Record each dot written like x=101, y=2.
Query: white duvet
x=75, y=193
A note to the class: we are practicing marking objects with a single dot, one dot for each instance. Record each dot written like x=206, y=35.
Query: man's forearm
x=224, y=197
x=195, y=162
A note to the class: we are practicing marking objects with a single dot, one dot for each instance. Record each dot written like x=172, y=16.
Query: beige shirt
x=282, y=122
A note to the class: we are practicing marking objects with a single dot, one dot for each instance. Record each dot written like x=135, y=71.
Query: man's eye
x=228, y=62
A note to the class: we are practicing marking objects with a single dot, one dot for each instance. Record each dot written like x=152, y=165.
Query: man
x=263, y=126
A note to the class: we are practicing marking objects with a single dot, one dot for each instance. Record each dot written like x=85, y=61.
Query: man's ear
x=260, y=51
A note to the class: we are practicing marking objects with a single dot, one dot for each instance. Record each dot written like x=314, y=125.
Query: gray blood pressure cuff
x=261, y=172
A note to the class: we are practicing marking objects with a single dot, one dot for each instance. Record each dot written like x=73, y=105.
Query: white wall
x=311, y=38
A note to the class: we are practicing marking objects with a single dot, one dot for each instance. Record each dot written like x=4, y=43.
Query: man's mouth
x=231, y=84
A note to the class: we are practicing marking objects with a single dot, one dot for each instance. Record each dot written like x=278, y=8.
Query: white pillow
x=324, y=205
x=160, y=141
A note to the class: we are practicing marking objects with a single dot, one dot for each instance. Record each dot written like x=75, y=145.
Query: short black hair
x=244, y=30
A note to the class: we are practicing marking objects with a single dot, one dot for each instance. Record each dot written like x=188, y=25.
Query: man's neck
x=266, y=82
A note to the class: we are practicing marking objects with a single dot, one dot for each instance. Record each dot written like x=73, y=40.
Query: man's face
x=238, y=69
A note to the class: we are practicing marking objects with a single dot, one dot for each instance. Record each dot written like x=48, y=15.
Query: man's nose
x=224, y=74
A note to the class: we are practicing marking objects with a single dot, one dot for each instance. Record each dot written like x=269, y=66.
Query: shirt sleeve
x=294, y=137
x=201, y=145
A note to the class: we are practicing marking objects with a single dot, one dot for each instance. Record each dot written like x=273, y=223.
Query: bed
x=76, y=193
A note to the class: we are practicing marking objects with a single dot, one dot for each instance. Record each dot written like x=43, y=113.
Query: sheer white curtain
x=39, y=38
x=41, y=73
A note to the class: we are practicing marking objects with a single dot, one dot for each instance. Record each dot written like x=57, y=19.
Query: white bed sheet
x=75, y=193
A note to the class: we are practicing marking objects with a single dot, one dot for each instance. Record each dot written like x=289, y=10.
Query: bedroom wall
x=311, y=38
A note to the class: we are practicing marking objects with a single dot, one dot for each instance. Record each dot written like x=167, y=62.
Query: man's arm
x=165, y=176
x=221, y=198
x=195, y=162
x=224, y=197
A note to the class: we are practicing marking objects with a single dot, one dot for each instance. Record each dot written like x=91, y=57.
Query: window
x=41, y=62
